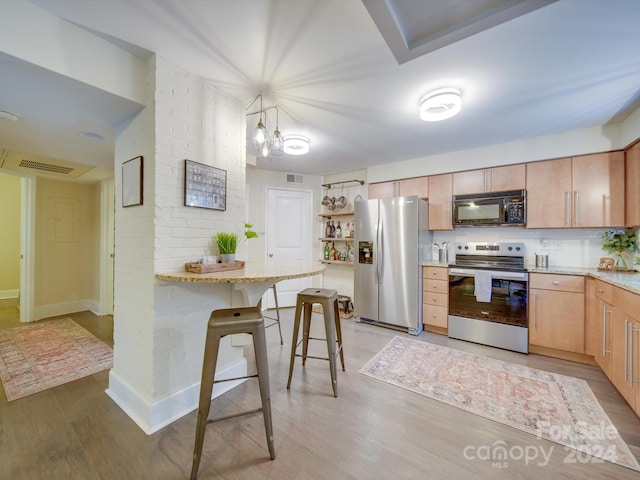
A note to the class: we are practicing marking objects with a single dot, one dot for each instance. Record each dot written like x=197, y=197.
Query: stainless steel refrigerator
x=389, y=235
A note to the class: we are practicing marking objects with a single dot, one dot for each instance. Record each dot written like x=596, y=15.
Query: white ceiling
x=342, y=79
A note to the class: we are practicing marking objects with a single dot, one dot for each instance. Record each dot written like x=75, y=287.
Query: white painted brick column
x=159, y=327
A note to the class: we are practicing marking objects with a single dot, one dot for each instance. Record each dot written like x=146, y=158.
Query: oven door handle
x=498, y=275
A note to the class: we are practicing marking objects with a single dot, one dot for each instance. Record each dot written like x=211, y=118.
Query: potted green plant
x=248, y=233
x=618, y=242
x=227, y=245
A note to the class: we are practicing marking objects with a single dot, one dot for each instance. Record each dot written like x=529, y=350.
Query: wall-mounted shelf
x=341, y=239
x=329, y=185
x=338, y=262
x=339, y=214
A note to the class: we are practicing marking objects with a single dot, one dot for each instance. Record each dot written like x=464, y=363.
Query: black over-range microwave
x=496, y=209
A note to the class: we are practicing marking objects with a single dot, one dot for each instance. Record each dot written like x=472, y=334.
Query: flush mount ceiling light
x=94, y=137
x=440, y=104
x=9, y=115
x=296, y=145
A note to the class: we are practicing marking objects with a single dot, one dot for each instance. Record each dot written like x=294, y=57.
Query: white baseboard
x=57, y=309
x=152, y=416
x=9, y=294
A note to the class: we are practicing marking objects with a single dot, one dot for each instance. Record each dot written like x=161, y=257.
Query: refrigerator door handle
x=379, y=251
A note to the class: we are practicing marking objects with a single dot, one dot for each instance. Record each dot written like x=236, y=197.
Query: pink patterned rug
x=43, y=355
x=555, y=407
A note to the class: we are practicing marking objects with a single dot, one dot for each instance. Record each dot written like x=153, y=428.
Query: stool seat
x=333, y=332
x=225, y=322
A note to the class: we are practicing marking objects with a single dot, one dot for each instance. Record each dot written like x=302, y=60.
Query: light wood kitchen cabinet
x=382, y=190
x=400, y=188
x=414, y=186
x=440, y=192
x=599, y=312
x=625, y=346
x=632, y=178
x=577, y=192
x=556, y=312
x=548, y=184
x=598, y=190
x=495, y=179
x=435, y=297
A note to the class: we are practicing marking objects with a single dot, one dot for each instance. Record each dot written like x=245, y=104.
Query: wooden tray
x=213, y=267
x=617, y=270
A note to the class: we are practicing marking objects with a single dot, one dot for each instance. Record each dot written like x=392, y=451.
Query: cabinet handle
x=631, y=350
x=626, y=350
x=576, y=208
x=556, y=282
x=600, y=290
x=567, y=208
x=535, y=296
x=604, y=331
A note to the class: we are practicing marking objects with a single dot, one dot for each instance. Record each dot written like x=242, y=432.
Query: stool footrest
x=311, y=356
x=235, y=378
x=227, y=417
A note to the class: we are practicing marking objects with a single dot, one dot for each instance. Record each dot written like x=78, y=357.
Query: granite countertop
x=253, y=272
x=628, y=280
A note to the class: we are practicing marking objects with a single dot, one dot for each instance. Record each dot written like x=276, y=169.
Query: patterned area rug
x=555, y=407
x=43, y=355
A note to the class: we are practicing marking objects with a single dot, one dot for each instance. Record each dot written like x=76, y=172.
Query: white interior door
x=107, y=247
x=289, y=237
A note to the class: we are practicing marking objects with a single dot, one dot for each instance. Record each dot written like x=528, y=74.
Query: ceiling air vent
x=292, y=178
x=46, y=167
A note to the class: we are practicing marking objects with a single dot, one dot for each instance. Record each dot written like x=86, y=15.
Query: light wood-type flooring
x=372, y=431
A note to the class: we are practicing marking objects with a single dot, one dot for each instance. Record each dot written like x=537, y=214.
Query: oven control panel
x=513, y=249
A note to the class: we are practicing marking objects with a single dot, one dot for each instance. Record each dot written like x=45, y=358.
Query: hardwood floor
x=372, y=431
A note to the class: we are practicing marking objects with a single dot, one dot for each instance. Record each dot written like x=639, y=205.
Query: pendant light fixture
x=260, y=133
x=276, y=143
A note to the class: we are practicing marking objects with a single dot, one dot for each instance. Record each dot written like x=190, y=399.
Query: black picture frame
x=132, y=184
x=204, y=186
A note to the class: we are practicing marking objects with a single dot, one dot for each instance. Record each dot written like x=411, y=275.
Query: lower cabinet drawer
x=438, y=299
x=438, y=286
x=435, y=315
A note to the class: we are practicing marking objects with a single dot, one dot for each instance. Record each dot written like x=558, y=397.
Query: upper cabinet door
x=471, y=181
x=414, y=186
x=549, y=194
x=598, y=190
x=495, y=179
x=440, y=191
x=509, y=177
x=633, y=186
x=382, y=190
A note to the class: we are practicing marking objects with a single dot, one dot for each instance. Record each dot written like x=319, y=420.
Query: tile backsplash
x=566, y=248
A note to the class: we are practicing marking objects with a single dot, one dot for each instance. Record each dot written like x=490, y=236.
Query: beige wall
x=9, y=235
x=66, y=247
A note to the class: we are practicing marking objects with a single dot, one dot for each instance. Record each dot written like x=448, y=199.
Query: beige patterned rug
x=555, y=407
x=47, y=354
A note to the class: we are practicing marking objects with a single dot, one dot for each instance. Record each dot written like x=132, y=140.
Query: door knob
x=270, y=255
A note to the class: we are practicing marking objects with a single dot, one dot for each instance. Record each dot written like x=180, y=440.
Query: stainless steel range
x=488, y=289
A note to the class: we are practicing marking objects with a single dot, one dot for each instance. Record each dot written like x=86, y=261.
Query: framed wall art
x=132, y=182
x=204, y=186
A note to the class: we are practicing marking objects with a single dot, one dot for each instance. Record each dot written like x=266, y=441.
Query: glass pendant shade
x=276, y=143
x=259, y=136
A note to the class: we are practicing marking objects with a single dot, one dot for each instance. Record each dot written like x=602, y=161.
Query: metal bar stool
x=222, y=323
x=276, y=320
x=329, y=301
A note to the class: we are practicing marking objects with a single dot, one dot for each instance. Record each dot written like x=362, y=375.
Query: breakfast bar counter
x=253, y=279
